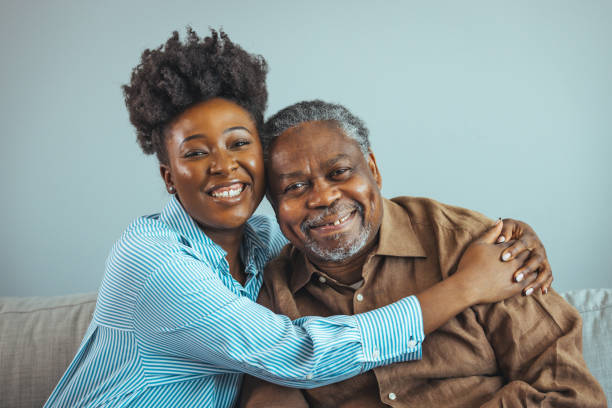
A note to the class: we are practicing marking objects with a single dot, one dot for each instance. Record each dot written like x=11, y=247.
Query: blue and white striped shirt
x=173, y=328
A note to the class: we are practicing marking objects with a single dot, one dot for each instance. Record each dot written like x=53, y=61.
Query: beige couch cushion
x=38, y=339
x=595, y=307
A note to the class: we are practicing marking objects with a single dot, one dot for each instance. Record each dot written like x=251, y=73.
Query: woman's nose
x=223, y=162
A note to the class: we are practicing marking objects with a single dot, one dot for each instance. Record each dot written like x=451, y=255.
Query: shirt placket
x=364, y=301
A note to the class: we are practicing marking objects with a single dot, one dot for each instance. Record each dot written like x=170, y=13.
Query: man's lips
x=339, y=219
x=226, y=190
x=332, y=219
x=333, y=227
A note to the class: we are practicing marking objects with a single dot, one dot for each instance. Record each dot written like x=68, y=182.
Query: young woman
x=176, y=321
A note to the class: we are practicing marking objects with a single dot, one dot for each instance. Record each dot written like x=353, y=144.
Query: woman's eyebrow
x=231, y=129
x=196, y=136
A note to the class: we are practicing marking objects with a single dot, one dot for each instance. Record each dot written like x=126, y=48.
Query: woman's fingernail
x=506, y=256
x=501, y=239
x=528, y=291
x=498, y=221
x=519, y=277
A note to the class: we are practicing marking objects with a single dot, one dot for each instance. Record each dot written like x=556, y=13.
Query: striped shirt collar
x=175, y=216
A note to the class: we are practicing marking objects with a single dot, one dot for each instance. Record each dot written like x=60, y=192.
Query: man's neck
x=348, y=271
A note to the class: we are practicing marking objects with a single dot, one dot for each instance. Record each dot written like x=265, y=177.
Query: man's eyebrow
x=336, y=159
x=231, y=129
x=300, y=173
x=294, y=174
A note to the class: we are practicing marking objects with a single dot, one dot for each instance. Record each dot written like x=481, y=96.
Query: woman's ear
x=166, y=174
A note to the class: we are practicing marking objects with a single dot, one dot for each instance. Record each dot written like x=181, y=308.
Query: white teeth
x=227, y=193
x=341, y=220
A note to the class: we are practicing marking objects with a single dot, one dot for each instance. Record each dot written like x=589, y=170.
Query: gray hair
x=311, y=111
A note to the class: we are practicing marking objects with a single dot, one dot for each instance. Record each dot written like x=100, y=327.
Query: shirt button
x=359, y=297
x=309, y=376
x=322, y=279
x=375, y=353
x=392, y=396
x=412, y=343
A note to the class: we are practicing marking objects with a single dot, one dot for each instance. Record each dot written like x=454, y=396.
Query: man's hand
x=525, y=239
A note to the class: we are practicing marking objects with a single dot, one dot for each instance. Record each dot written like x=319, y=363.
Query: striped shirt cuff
x=393, y=333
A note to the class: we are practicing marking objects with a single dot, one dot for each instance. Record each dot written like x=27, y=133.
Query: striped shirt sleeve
x=184, y=310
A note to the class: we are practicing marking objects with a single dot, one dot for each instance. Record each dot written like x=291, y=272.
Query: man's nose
x=222, y=162
x=322, y=194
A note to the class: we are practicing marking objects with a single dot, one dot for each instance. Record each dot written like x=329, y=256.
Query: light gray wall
x=502, y=107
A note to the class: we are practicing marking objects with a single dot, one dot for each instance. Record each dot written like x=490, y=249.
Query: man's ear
x=166, y=174
x=374, y=168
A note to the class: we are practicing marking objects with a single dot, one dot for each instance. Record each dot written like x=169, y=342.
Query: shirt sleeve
x=538, y=345
x=185, y=316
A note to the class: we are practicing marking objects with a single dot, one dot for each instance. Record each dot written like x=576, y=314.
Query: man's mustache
x=344, y=207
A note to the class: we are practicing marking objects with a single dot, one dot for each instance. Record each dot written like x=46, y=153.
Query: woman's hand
x=525, y=240
x=483, y=275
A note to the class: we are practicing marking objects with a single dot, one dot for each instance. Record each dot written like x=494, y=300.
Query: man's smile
x=335, y=225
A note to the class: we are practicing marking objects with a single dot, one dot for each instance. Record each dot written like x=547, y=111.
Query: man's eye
x=340, y=172
x=294, y=187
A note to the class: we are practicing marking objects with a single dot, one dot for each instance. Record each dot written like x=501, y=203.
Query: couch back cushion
x=38, y=339
x=595, y=307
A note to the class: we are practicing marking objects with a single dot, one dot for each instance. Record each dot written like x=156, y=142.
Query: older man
x=352, y=250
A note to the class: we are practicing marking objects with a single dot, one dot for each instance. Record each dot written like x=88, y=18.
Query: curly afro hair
x=178, y=75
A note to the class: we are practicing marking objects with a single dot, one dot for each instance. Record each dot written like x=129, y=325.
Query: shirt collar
x=301, y=271
x=253, y=247
x=396, y=238
x=175, y=216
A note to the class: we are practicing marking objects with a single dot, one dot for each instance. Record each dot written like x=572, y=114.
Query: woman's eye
x=195, y=153
x=241, y=143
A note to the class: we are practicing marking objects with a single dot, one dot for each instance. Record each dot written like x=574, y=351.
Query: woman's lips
x=228, y=191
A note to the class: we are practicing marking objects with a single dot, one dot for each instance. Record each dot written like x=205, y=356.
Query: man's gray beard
x=343, y=252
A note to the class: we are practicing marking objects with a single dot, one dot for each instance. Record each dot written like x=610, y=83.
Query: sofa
x=40, y=335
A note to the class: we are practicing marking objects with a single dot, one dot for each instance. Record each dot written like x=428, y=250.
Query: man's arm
x=538, y=345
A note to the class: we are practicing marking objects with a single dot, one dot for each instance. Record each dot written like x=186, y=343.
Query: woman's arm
x=186, y=314
x=199, y=326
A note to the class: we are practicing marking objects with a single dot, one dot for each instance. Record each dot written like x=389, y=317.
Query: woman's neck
x=230, y=241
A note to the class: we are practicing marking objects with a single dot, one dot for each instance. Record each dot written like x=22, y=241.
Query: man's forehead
x=319, y=137
x=295, y=153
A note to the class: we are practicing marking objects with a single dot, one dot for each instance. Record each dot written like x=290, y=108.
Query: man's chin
x=336, y=251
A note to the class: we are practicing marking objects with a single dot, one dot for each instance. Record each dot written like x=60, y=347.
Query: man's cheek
x=285, y=220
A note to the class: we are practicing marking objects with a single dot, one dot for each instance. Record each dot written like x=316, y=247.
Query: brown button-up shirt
x=525, y=351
